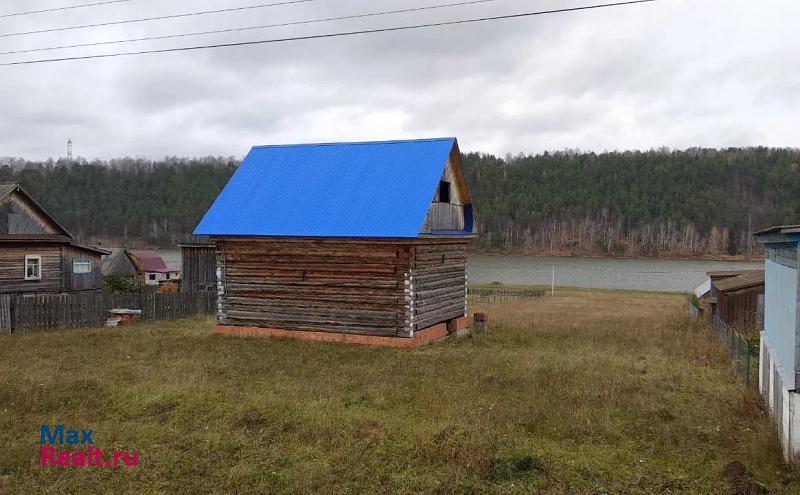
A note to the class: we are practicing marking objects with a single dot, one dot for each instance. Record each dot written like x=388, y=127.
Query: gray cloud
x=674, y=73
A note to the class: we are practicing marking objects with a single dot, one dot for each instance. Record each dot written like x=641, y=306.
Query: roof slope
x=749, y=279
x=6, y=188
x=372, y=189
x=150, y=261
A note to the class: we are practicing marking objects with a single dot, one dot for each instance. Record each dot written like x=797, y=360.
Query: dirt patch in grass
x=584, y=392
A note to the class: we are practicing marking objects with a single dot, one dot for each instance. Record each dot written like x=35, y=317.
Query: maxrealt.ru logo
x=92, y=456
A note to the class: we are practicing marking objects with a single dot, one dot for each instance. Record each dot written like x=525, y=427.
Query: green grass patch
x=585, y=392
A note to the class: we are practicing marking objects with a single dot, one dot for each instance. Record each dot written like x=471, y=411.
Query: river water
x=600, y=273
x=597, y=273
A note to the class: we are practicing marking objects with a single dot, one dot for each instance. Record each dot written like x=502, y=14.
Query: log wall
x=439, y=283
x=369, y=286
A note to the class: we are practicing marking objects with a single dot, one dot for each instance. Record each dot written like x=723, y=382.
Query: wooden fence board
x=39, y=312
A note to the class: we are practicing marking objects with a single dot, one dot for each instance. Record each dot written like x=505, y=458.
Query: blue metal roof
x=369, y=189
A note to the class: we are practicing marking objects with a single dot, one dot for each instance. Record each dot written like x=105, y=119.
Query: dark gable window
x=444, y=191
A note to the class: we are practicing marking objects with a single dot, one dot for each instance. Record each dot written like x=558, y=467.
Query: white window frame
x=38, y=258
x=81, y=261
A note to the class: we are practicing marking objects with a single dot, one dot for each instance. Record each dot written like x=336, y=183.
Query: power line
x=57, y=9
x=331, y=35
x=250, y=28
x=157, y=18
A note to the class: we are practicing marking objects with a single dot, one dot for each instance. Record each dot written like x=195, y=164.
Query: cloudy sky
x=674, y=73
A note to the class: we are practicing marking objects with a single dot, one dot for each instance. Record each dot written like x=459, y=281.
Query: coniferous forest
x=654, y=203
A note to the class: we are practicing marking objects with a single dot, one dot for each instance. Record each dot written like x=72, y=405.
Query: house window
x=82, y=266
x=33, y=267
x=444, y=191
x=152, y=276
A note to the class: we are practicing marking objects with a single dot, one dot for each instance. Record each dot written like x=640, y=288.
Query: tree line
x=658, y=202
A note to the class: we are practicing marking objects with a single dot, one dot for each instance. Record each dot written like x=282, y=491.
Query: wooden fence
x=39, y=312
x=499, y=294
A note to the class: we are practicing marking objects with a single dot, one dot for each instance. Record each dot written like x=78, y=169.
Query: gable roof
x=150, y=261
x=367, y=189
x=7, y=189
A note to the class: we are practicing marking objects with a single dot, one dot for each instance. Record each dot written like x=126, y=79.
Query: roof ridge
x=354, y=143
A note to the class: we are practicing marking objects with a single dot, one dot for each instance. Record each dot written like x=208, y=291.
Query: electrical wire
x=249, y=28
x=156, y=18
x=331, y=35
x=67, y=7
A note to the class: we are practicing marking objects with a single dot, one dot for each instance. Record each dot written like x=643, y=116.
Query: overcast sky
x=676, y=73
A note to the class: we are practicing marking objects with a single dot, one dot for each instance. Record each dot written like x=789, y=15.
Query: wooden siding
x=446, y=216
x=348, y=286
x=783, y=253
x=740, y=308
x=438, y=283
x=19, y=216
x=12, y=269
x=81, y=281
x=199, y=268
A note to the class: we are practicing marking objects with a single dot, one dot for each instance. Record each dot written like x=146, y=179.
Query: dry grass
x=586, y=392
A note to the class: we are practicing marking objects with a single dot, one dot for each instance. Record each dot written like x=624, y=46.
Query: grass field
x=584, y=392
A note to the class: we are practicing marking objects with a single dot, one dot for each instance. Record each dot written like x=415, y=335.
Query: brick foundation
x=421, y=337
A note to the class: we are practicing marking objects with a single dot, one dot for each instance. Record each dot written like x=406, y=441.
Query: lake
x=596, y=273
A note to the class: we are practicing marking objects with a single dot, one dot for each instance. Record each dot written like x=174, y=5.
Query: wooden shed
x=740, y=300
x=37, y=254
x=354, y=242
x=199, y=267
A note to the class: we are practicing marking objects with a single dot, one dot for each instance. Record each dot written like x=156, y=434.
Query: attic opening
x=444, y=191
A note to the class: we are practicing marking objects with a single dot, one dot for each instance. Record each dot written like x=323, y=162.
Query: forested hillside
x=694, y=202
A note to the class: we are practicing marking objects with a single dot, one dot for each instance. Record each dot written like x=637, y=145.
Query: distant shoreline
x=671, y=257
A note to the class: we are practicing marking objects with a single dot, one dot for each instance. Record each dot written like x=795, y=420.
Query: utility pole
x=69, y=149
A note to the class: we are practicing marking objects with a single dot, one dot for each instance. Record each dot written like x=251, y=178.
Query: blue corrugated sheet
x=373, y=189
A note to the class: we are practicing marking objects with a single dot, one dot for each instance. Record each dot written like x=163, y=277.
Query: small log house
x=37, y=254
x=354, y=242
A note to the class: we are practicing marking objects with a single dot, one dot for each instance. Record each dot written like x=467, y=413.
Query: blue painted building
x=344, y=239
x=779, y=364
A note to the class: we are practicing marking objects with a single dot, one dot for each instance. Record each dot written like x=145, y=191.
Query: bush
x=119, y=283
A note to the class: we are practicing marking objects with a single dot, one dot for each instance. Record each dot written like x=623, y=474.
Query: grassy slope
x=587, y=392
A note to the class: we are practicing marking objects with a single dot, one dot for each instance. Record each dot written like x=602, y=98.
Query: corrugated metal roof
x=150, y=261
x=742, y=281
x=370, y=189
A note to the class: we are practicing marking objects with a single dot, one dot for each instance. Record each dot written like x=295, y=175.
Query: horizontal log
x=387, y=284
x=423, y=294
x=319, y=319
x=421, y=286
x=314, y=327
x=422, y=312
x=354, y=268
x=440, y=317
x=334, y=307
x=397, y=314
x=295, y=296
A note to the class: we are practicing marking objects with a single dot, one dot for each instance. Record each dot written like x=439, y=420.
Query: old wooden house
x=37, y=254
x=199, y=267
x=356, y=242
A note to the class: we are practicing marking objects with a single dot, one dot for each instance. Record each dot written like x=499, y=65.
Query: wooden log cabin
x=353, y=242
x=37, y=254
